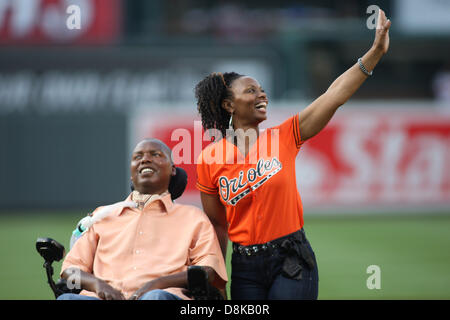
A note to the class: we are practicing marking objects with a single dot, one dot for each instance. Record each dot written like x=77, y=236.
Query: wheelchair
x=198, y=285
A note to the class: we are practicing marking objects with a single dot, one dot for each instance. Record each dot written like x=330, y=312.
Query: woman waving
x=247, y=179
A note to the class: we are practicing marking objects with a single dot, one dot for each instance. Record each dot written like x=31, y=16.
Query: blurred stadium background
x=375, y=183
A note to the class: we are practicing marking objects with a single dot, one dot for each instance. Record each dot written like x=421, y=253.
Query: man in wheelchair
x=148, y=247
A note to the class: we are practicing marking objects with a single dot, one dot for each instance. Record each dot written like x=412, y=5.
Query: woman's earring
x=230, y=124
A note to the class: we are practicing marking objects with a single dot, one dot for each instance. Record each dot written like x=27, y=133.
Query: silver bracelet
x=363, y=69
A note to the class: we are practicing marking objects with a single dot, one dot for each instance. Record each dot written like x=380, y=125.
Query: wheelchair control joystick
x=51, y=251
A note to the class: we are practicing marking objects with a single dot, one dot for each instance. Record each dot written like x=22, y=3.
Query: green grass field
x=412, y=251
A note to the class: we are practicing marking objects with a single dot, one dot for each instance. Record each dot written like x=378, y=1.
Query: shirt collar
x=165, y=198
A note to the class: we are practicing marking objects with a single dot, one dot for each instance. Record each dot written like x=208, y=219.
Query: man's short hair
x=164, y=147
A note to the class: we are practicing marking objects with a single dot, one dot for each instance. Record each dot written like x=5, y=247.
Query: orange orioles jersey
x=259, y=191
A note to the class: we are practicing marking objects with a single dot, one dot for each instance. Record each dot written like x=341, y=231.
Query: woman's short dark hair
x=210, y=93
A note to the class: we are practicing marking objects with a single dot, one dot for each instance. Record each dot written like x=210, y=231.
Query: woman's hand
x=381, y=42
x=315, y=117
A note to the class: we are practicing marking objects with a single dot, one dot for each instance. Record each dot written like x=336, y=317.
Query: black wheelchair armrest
x=199, y=286
x=62, y=288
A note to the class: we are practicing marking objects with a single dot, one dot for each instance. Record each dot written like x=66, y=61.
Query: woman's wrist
x=371, y=58
x=376, y=52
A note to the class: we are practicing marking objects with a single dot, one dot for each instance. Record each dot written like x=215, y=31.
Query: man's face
x=151, y=167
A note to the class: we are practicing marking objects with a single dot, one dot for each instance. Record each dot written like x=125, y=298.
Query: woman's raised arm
x=316, y=116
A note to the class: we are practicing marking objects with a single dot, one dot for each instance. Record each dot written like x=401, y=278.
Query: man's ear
x=227, y=104
x=174, y=170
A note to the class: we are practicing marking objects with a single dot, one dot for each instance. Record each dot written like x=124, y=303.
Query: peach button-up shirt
x=132, y=246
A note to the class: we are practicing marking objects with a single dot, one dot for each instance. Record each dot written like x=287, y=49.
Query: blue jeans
x=150, y=295
x=259, y=277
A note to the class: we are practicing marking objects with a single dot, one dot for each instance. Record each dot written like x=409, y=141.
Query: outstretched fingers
x=383, y=23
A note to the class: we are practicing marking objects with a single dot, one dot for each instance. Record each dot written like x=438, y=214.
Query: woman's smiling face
x=249, y=102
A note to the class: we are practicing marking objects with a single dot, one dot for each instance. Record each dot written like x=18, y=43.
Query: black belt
x=265, y=247
x=295, y=248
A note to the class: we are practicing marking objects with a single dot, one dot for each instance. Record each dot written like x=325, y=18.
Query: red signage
x=59, y=21
x=384, y=158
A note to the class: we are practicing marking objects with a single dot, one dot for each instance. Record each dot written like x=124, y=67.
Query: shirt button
x=137, y=251
x=134, y=268
x=141, y=233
